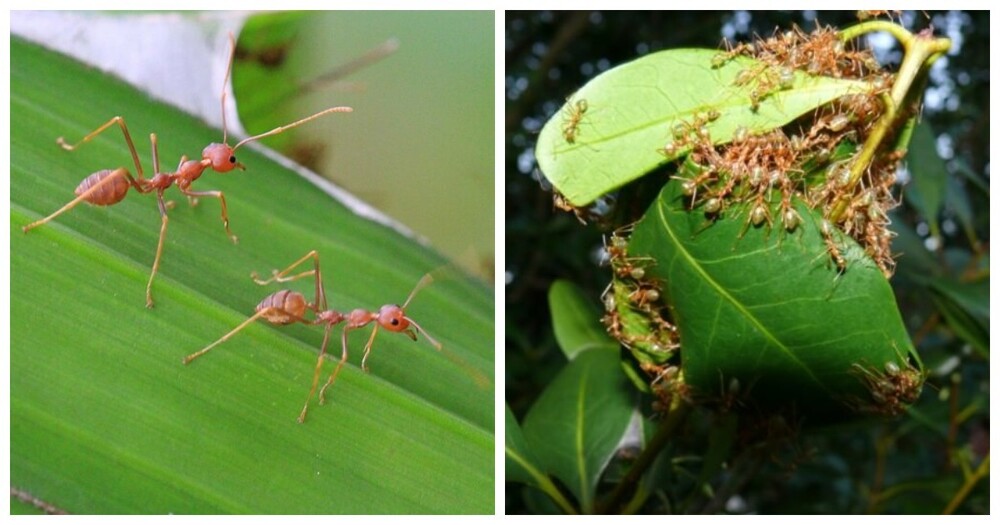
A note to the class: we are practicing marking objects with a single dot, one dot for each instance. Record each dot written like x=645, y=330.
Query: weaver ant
x=288, y=307
x=108, y=187
x=572, y=115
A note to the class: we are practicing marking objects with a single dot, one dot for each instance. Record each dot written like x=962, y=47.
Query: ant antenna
x=280, y=129
x=275, y=131
x=225, y=83
x=423, y=283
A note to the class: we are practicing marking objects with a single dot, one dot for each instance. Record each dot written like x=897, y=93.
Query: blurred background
x=422, y=87
x=911, y=465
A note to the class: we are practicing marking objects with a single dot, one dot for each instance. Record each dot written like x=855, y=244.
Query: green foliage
x=927, y=191
x=756, y=304
x=634, y=106
x=573, y=321
x=931, y=459
x=106, y=419
x=577, y=423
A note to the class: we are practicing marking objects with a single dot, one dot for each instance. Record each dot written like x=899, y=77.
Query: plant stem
x=905, y=37
x=627, y=486
x=557, y=496
x=982, y=471
x=920, y=53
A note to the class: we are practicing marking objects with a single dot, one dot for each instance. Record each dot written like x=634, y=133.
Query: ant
x=287, y=307
x=108, y=187
x=572, y=115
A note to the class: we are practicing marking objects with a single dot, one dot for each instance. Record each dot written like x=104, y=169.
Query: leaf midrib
x=721, y=291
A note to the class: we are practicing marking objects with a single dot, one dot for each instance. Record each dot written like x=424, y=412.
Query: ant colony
x=814, y=167
x=744, y=173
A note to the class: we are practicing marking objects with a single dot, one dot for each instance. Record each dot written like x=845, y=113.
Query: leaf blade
x=760, y=311
x=578, y=421
x=87, y=359
x=632, y=109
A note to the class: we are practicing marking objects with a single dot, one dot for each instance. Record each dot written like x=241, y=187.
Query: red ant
x=288, y=307
x=108, y=187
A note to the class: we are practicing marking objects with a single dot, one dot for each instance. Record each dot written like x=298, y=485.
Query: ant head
x=393, y=318
x=221, y=157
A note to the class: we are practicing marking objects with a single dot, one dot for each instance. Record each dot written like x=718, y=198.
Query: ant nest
x=636, y=315
x=810, y=159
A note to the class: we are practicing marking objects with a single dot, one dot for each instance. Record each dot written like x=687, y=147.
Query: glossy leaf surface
x=768, y=308
x=631, y=112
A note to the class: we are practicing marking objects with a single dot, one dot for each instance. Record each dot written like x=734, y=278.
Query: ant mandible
x=288, y=307
x=108, y=187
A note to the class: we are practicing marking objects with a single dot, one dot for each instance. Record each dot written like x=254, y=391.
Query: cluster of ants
x=751, y=169
x=635, y=294
x=765, y=175
x=109, y=187
x=891, y=389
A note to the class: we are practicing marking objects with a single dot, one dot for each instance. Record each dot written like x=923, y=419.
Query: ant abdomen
x=109, y=193
x=287, y=307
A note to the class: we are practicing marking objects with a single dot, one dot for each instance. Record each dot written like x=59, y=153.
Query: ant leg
x=159, y=247
x=281, y=277
x=128, y=139
x=336, y=371
x=222, y=199
x=156, y=154
x=82, y=197
x=233, y=332
x=315, y=381
x=368, y=349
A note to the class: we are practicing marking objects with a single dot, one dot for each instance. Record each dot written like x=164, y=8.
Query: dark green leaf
x=521, y=464
x=957, y=200
x=926, y=190
x=631, y=112
x=974, y=298
x=765, y=314
x=721, y=437
x=575, y=321
x=966, y=309
x=915, y=260
x=576, y=424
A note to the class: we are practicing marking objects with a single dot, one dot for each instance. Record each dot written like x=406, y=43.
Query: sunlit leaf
x=632, y=110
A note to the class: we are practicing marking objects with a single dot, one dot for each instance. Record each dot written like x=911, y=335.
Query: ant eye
x=394, y=322
x=232, y=159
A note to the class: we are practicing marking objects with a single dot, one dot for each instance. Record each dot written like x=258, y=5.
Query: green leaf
x=631, y=112
x=576, y=424
x=957, y=200
x=521, y=464
x=927, y=189
x=575, y=321
x=106, y=419
x=966, y=308
x=769, y=310
x=915, y=260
